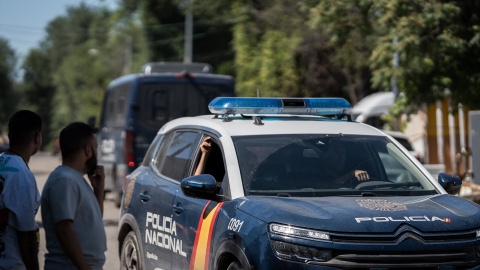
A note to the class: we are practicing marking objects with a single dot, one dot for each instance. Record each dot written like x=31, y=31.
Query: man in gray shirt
x=71, y=210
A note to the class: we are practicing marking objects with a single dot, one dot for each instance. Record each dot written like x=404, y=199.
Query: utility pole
x=127, y=68
x=396, y=61
x=187, y=58
x=128, y=54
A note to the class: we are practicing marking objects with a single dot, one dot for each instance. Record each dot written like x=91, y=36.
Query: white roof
x=240, y=126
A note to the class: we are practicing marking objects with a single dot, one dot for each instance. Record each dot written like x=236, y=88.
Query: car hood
x=362, y=214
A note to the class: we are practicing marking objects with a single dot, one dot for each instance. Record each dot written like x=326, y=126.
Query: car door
x=193, y=228
x=171, y=164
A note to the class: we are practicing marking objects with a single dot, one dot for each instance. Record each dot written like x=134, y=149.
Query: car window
x=178, y=155
x=327, y=165
x=215, y=162
x=153, y=146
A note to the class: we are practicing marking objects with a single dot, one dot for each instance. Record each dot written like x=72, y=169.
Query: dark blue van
x=137, y=105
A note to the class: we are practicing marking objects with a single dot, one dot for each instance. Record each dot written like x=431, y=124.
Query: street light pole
x=188, y=47
x=127, y=68
x=128, y=54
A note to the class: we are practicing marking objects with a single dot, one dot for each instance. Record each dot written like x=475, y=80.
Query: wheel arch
x=127, y=224
x=229, y=252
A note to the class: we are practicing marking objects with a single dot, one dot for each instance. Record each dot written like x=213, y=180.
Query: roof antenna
x=258, y=93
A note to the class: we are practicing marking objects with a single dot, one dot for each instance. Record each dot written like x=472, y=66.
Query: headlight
x=300, y=253
x=300, y=232
x=478, y=234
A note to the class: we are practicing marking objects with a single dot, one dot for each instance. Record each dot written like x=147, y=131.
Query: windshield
x=327, y=165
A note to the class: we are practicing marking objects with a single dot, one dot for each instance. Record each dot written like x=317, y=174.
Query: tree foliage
x=163, y=23
x=439, y=48
x=8, y=94
x=291, y=48
x=350, y=33
x=265, y=44
x=85, y=49
x=39, y=89
x=303, y=54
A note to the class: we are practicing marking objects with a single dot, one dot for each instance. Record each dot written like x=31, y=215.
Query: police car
x=290, y=184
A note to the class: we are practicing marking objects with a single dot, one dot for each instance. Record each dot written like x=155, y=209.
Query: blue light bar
x=297, y=106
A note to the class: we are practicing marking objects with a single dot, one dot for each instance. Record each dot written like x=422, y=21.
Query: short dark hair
x=74, y=137
x=22, y=127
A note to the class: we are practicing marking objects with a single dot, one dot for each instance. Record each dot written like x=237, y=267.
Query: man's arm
x=98, y=184
x=205, y=148
x=360, y=175
x=28, y=245
x=70, y=244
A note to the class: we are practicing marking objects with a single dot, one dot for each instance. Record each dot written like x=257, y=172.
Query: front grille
x=403, y=233
x=435, y=257
x=459, y=259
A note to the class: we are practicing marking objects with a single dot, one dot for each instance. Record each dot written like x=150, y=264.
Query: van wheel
x=130, y=259
x=235, y=266
x=118, y=197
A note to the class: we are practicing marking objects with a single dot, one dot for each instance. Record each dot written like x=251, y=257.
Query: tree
x=439, y=48
x=65, y=78
x=8, y=96
x=163, y=23
x=287, y=48
x=350, y=32
x=38, y=89
x=266, y=37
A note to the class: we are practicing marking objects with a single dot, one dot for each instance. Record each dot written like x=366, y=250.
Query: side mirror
x=202, y=186
x=450, y=183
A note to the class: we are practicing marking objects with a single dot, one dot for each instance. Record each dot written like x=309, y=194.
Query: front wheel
x=235, y=266
x=130, y=257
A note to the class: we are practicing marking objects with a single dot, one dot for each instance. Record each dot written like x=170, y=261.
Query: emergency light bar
x=297, y=106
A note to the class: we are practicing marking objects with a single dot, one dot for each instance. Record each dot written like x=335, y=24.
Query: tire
x=118, y=197
x=130, y=258
x=235, y=266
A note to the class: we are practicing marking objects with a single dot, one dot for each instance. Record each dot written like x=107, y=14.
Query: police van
x=137, y=105
x=282, y=183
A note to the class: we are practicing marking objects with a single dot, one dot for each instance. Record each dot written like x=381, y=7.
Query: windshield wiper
x=368, y=194
x=283, y=194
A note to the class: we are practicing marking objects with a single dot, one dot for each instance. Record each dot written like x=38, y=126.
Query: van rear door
x=164, y=98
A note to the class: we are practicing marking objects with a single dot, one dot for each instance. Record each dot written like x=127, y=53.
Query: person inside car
x=334, y=165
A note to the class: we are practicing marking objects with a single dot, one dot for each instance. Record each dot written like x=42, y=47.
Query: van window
x=161, y=100
x=201, y=95
x=117, y=106
x=158, y=108
x=167, y=101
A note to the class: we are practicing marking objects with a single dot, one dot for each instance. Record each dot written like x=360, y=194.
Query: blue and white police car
x=290, y=183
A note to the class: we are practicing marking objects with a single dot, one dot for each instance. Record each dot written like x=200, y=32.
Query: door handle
x=144, y=197
x=178, y=209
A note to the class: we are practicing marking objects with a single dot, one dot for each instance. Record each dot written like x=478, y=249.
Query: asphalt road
x=42, y=164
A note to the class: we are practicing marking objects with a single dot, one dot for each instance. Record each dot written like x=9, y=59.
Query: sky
x=23, y=22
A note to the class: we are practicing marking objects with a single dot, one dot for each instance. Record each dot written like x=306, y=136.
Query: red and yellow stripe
x=201, y=248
